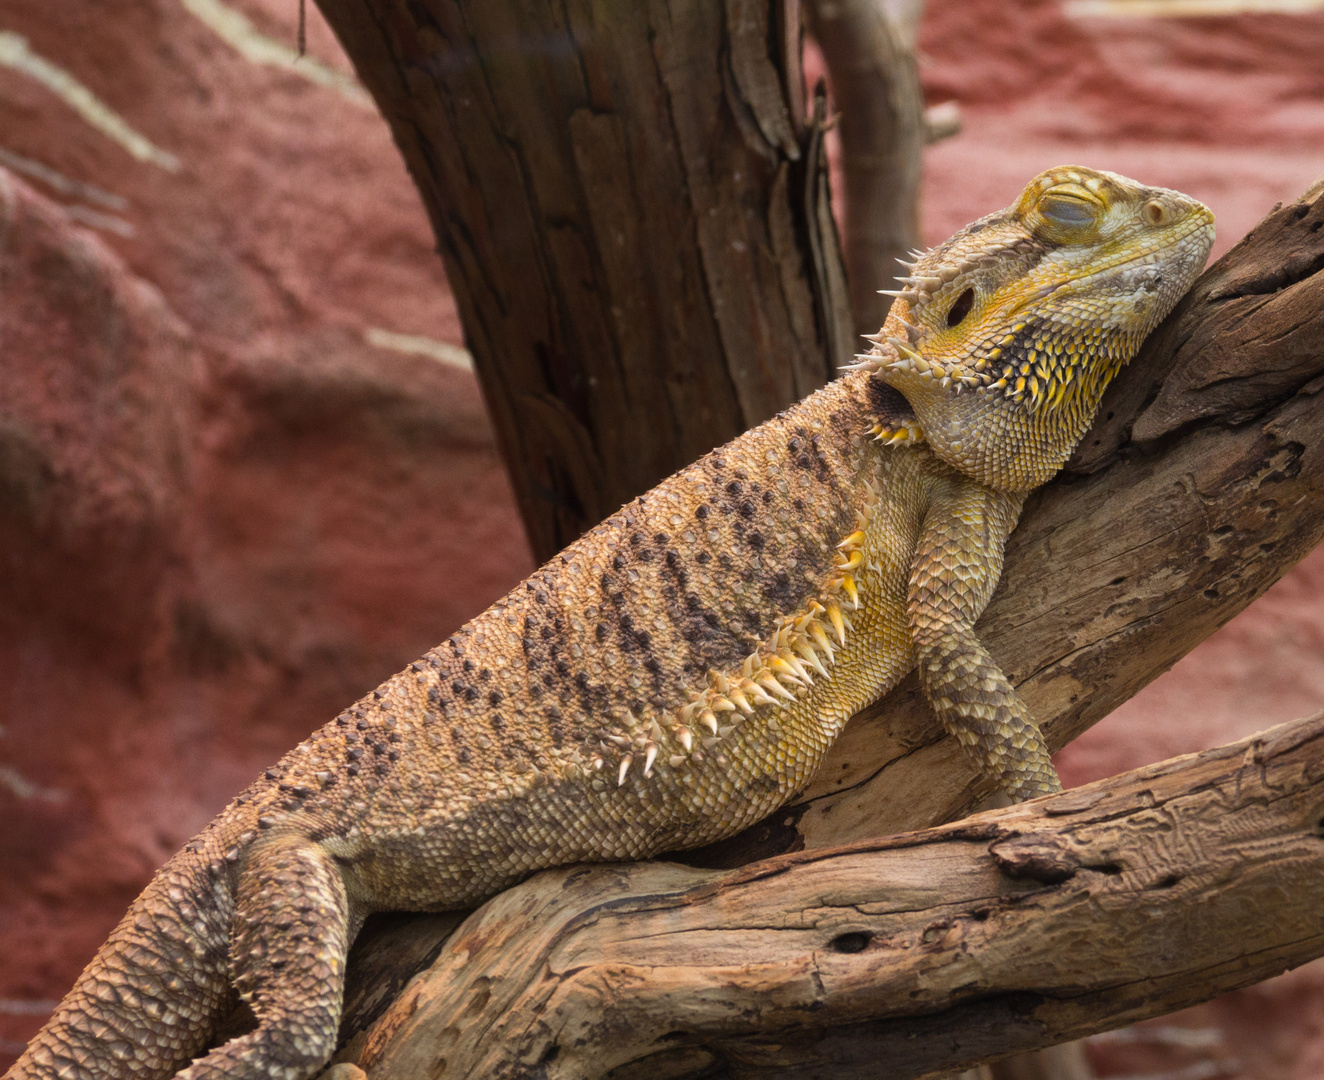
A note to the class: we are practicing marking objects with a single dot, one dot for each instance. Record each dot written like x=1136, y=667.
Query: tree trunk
x=633, y=215
x=870, y=49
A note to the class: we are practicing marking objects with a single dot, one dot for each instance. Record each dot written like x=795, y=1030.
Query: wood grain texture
x=630, y=222
x=1012, y=929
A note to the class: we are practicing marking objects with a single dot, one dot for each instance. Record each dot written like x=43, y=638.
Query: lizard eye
x=959, y=310
x=1068, y=211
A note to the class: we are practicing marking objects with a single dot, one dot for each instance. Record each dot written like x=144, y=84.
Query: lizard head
x=1005, y=337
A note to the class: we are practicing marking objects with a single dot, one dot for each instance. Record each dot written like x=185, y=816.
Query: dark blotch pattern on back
x=687, y=585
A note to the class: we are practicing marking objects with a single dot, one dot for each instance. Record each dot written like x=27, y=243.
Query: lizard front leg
x=292, y=927
x=956, y=566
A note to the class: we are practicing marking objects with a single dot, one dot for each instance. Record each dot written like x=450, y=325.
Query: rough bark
x=869, y=47
x=633, y=216
x=1117, y=901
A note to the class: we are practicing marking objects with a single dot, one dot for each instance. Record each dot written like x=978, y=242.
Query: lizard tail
x=150, y=999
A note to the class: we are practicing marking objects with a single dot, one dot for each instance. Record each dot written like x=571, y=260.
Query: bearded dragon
x=678, y=672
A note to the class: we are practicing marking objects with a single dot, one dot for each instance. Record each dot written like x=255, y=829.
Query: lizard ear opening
x=961, y=308
x=1156, y=214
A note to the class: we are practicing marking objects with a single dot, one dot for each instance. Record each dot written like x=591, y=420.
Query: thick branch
x=1121, y=900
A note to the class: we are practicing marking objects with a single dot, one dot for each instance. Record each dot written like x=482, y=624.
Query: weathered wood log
x=634, y=223
x=1117, y=901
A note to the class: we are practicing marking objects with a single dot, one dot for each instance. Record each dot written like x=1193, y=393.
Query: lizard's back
x=673, y=676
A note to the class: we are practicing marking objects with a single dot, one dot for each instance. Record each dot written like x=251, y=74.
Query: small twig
x=870, y=54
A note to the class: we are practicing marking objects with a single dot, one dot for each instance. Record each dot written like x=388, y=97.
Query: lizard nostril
x=1155, y=212
x=961, y=308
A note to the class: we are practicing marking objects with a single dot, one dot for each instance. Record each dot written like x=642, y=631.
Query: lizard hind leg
x=292, y=928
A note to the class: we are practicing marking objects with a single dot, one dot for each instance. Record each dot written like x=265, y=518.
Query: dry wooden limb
x=1015, y=928
x=632, y=221
x=869, y=47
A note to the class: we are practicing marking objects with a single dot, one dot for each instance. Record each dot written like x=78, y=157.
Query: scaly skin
x=678, y=672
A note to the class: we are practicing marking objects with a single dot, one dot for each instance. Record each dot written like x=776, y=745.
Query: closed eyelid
x=1067, y=210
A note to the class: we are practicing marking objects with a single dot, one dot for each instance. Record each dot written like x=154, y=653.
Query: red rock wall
x=223, y=513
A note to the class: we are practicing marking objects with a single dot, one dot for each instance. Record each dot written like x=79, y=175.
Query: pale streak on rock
x=16, y=53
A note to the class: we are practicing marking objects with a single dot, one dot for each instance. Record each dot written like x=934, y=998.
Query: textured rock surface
x=225, y=514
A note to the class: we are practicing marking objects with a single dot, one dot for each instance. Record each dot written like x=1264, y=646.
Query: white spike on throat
x=1023, y=383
